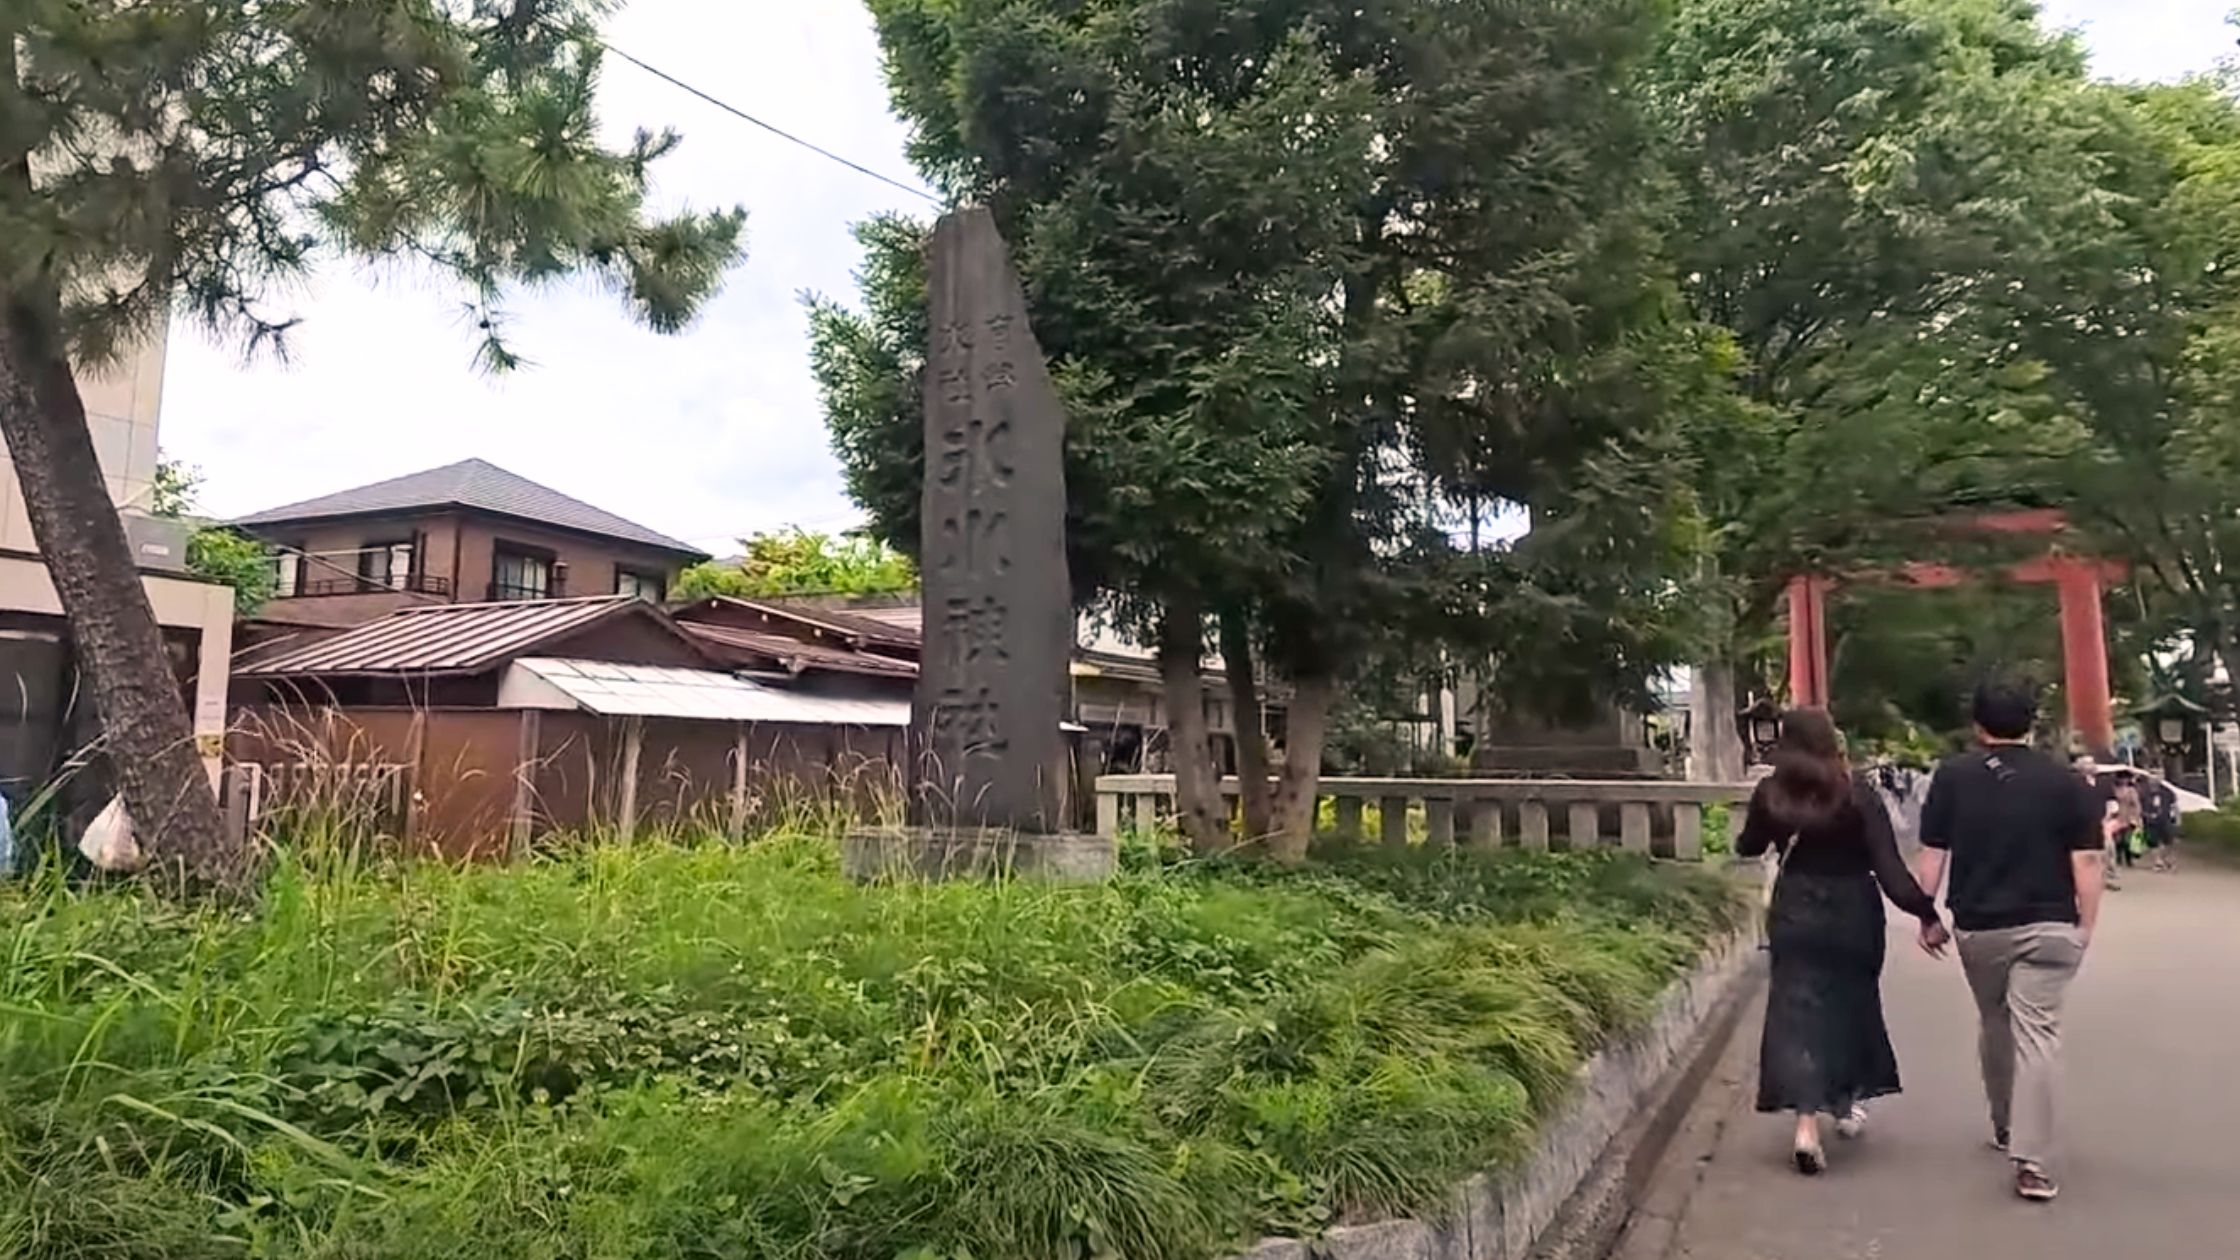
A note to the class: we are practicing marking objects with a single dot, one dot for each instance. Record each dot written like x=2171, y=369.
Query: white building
x=44, y=713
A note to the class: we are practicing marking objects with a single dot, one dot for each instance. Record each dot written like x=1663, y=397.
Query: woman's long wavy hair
x=1810, y=785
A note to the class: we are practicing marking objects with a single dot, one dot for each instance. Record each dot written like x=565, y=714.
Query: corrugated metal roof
x=612, y=690
x=899, y=629
x=796, y=655
x=478, y=485
x=446, y=638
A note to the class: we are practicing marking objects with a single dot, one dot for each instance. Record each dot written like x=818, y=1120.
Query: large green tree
x=198, y=156
x=1881, y=200
x=2144, y=340
x=801, y=562
x=1313, y=276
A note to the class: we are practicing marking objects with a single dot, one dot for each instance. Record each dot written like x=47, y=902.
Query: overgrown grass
x=712, y=1051
x=2213, y=833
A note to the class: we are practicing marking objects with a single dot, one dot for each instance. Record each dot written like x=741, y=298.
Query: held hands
x=1934, y=937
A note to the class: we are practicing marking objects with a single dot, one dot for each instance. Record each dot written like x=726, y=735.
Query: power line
x=777, y=131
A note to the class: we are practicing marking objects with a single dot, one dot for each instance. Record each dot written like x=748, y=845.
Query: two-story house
x=465, y=533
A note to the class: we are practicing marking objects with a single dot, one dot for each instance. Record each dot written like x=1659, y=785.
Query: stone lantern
x=1760, y=727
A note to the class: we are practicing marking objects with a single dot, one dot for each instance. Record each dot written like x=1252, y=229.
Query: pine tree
x=193, y=156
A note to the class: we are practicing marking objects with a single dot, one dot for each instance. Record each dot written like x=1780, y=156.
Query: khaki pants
x=2020, y=976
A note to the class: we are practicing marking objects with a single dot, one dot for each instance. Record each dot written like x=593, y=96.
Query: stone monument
x=988, y=756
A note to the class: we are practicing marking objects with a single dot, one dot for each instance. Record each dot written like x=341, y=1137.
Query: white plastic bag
x=108, y=842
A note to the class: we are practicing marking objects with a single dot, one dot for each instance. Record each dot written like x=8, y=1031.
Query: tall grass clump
x=635, y=1050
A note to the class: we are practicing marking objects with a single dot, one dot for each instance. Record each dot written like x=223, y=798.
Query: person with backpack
x=2022, y=839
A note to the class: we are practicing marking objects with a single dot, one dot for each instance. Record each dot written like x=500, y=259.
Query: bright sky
x=715, y=433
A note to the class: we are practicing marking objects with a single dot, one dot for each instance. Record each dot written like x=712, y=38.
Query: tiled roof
x=476, y=485
x=443, y=638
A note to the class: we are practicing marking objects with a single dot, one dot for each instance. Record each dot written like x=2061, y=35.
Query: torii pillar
x=2084, y=653
x=1808, y=641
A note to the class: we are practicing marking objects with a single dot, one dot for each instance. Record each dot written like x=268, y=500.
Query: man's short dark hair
x=2005, y=710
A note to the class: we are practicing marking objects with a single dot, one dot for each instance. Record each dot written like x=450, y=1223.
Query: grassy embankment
x=666, y=1051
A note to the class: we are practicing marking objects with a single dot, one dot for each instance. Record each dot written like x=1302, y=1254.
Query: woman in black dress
x=1826, y=1050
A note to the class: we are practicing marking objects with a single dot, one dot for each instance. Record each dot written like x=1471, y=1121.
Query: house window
x=521, y=575
x=287, y=574
x=645, y=586
x=385, y=567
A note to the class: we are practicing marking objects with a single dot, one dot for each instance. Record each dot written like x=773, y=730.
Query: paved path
x=2153, y=1115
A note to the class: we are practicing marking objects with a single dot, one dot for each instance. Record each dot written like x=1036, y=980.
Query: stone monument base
x=891, y=854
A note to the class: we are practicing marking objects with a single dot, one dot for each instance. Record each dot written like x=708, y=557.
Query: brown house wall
x=460, y=548
x=461, y=763
x=467, y=782
x=685, y=771
x=435, y=533
x=462, y=768
x=592, y=563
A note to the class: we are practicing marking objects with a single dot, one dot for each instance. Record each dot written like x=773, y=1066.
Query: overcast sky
x=715, y=433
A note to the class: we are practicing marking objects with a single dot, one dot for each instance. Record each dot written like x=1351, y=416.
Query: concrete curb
x=1568, y=1200
x=1651, y=1229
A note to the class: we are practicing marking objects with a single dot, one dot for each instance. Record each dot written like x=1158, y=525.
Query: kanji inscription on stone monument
x=992, y=682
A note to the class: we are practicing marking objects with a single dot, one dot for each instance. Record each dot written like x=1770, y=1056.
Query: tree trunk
x=1252, y=734
x=1197, y=789
x=119, y=647
x=1307, y=726
x=1715, y=753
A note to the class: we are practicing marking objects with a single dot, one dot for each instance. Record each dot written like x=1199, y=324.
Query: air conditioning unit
x=158, y=542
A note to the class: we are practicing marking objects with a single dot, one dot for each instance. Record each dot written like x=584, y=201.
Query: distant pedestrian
x=2158, y=813
x=2023, y=839
x=2129, y=819
x=1826, y=1049
x=2103, y=791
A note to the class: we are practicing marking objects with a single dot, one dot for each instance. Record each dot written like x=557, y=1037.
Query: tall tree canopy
x=181, y=155
x=1318, y=280
x=1885, y=202
x=2147, y=349
x=802, y=562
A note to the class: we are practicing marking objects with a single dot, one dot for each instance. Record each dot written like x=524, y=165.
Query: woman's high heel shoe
x=1811, y=1160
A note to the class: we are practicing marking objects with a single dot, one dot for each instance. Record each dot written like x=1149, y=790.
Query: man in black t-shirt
x=2022, y=837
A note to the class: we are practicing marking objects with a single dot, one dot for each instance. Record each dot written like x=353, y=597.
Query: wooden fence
x=375, y=795
x=1647, y=815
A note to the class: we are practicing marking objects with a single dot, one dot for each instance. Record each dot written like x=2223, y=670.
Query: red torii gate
x=2077, y=579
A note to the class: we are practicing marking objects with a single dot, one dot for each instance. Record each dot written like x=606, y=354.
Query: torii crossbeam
x=2077, y=579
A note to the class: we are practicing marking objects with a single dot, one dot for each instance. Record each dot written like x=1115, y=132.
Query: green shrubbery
x=665, y=1052
x=2215, y=832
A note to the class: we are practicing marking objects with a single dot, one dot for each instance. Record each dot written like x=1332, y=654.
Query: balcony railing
x=417, y=584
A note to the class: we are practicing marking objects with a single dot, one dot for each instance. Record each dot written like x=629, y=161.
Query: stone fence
x=1644, y=815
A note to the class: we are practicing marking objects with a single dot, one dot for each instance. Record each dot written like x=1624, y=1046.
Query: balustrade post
x=1484, y=823
x=1346, y=813
x=1633, y=826
x=1438, y=817
x=1586, y=826
x=1392, y=821
x=1108, y=814
x=1687, y=831
x=1532, y=824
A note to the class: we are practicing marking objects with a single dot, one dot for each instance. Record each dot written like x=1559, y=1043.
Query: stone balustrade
x=1642, y=815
